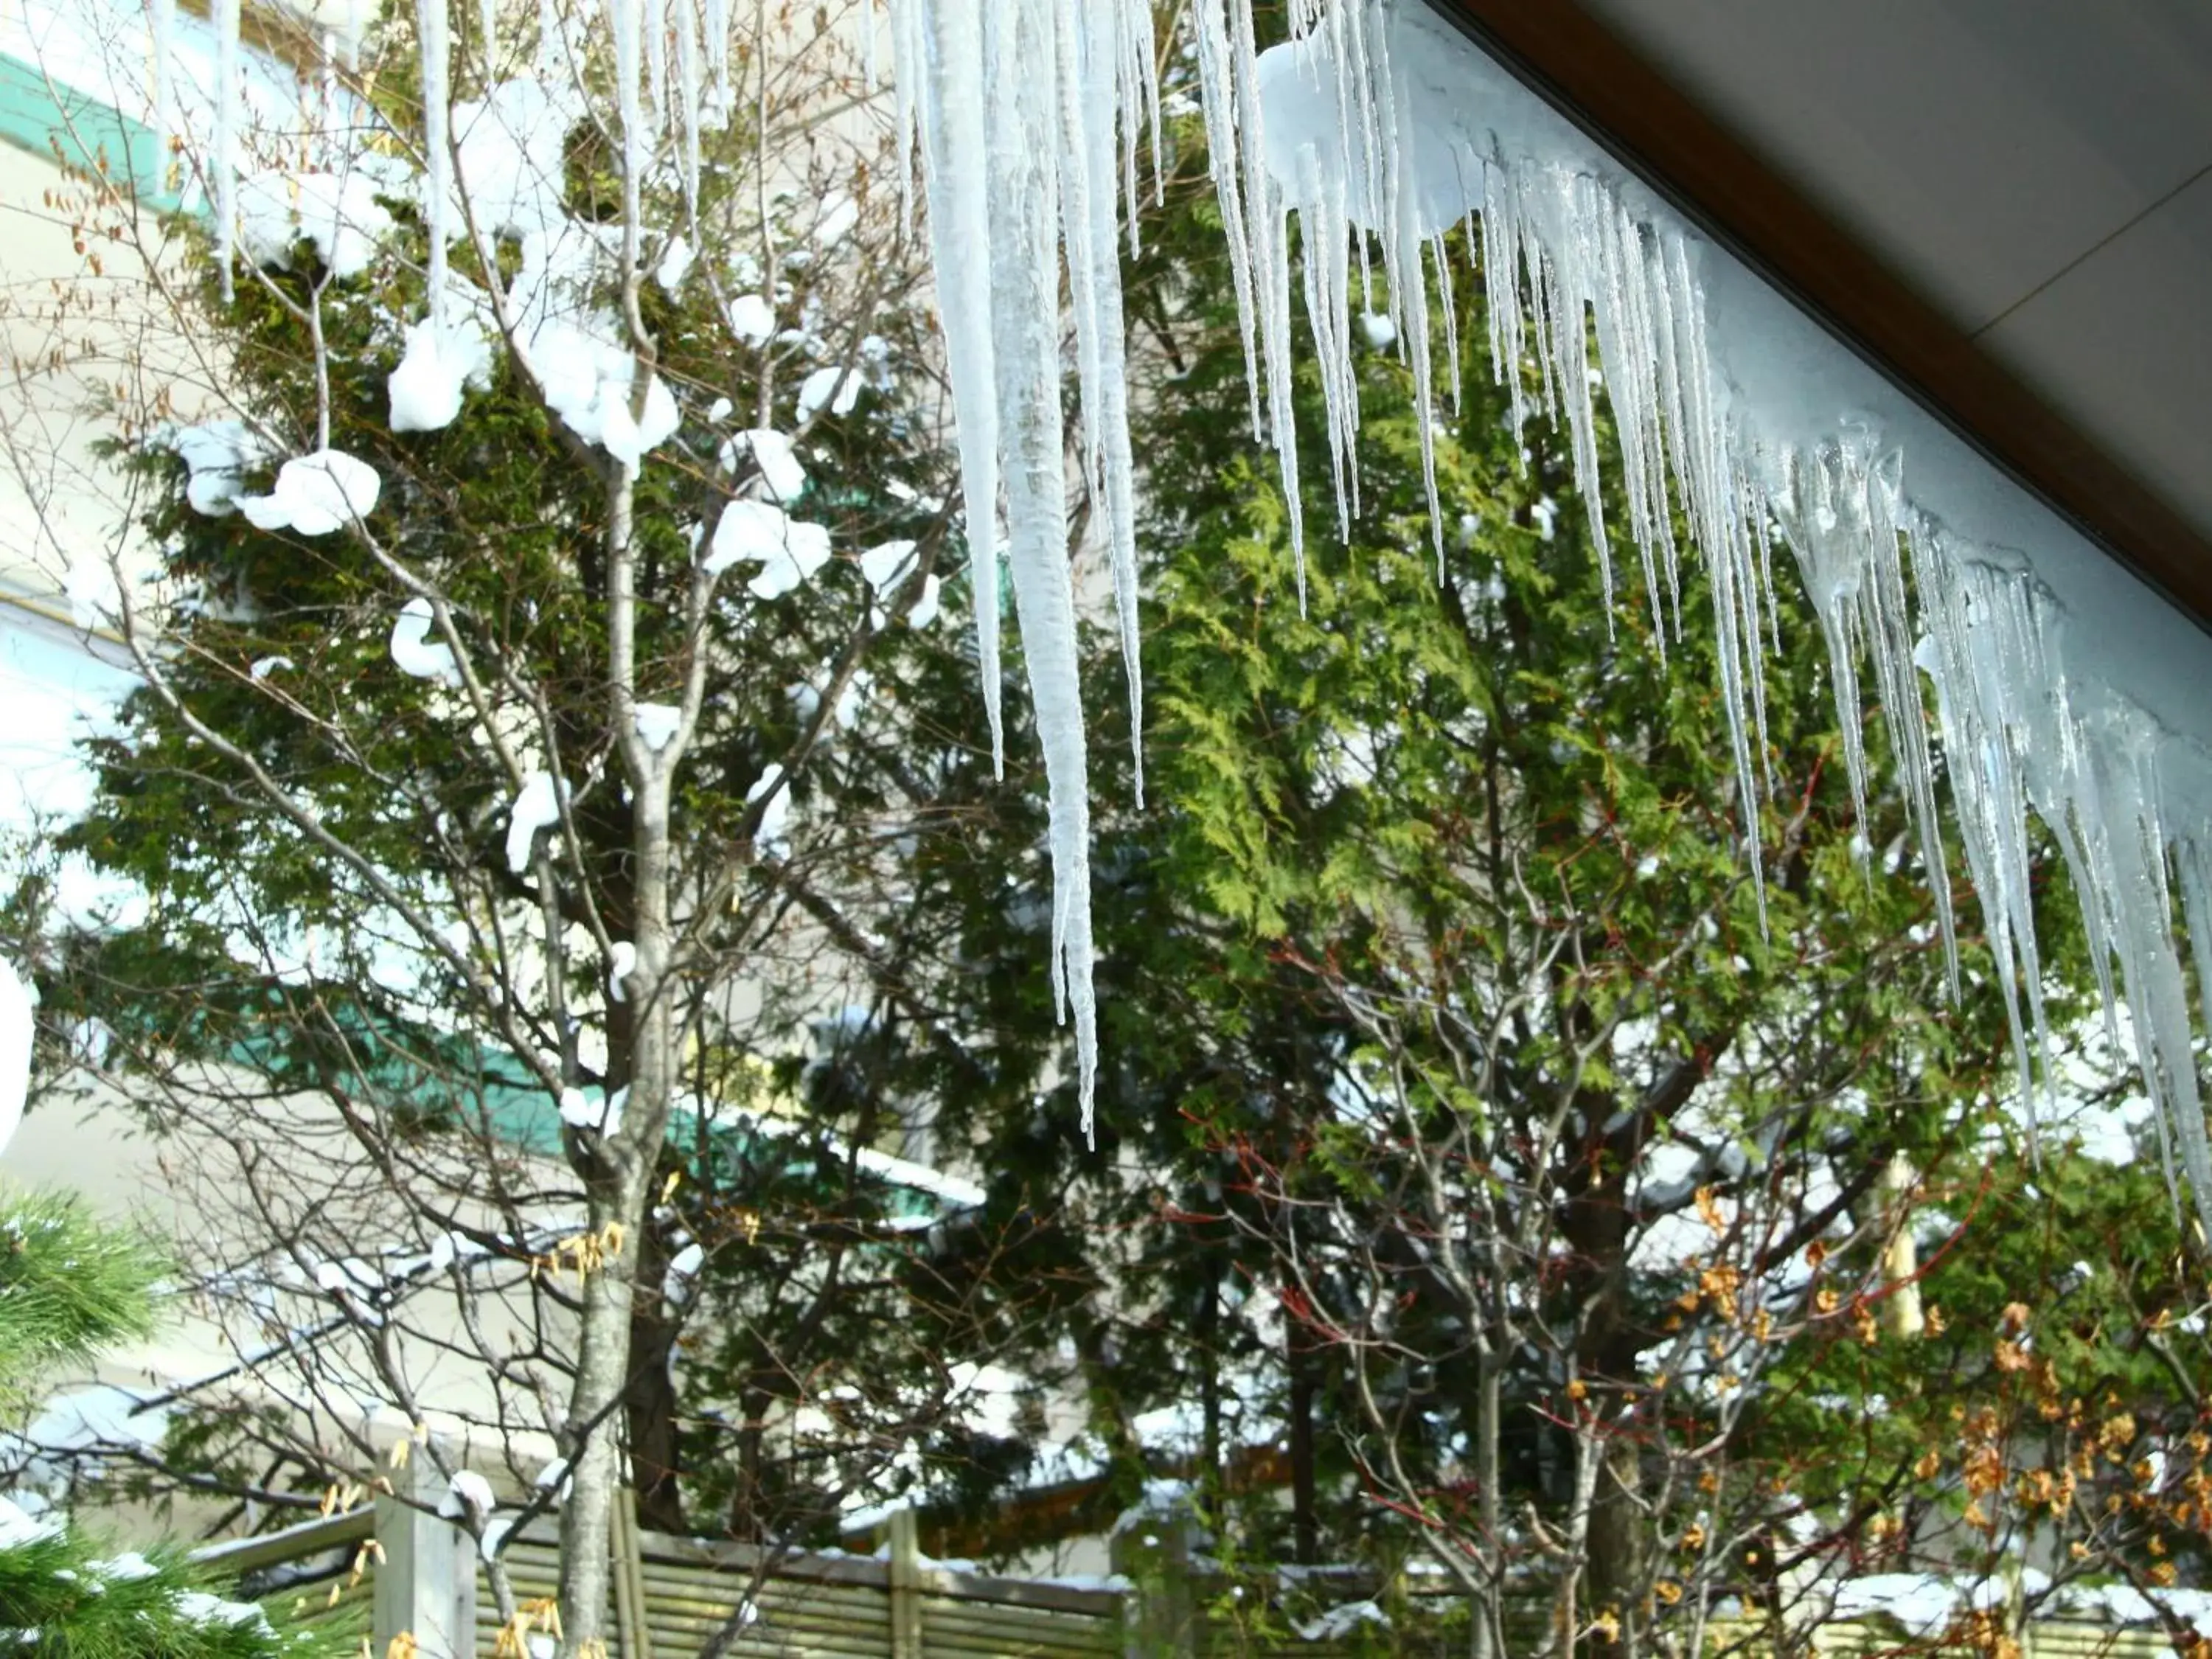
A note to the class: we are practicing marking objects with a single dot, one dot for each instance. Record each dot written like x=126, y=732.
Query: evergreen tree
x=526, y=935
x=1527, y=1170
x=69, y=1288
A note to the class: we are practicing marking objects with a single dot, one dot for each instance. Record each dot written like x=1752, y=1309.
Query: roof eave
x=1654, y=129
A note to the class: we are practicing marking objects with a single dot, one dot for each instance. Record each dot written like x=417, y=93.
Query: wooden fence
x=370, y=1574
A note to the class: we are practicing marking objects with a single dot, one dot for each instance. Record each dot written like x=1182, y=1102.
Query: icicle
x=908, y=58
x=2132, y=843
x=941, y=48
x=226, y=137
x=1994, y=690
x=487, y=39
x=1267, y=235
x=548, y=40
x=1024, y=191
x=655, y=24
x=688, y=71
x=2197, y=902
x=1087, y=57
x=1397, y=166
x=329, y=155
x=627, y=19
x=1142, y=91
x=1440, y=248
x=1216, y=75
x=1569, y=256
x=718, y=53
x=437, y=149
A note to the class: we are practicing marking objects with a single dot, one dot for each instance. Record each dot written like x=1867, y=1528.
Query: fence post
x=426, y=1585
x=906, y=1584
x=1152, y=1547
x=631, y=1611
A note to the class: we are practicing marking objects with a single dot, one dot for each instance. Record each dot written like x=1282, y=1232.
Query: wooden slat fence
x=801, y=1605
x=828, y=1605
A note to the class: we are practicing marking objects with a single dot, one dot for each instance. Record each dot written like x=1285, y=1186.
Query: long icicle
x=226, y=139
x=430, y=21
x=1087, y=50
x=947, y=38
x=1020, y=96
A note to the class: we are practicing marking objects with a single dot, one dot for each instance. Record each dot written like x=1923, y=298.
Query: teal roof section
x=432, y=1075
x=41, y=115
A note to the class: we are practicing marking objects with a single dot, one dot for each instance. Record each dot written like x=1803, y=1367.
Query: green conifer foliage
x=69, y=1287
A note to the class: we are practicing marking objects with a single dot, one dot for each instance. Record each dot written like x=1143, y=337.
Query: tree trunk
x=650, y=1407
x=1487, y=1640
x=1617, y=1541
x=1305, y=1522
x=618, y=1170
x=1613, y=1549
x=586, y=1520
x=748, y=1510
x=1209, y=1360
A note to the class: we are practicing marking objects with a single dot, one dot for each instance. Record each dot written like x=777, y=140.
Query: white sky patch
x=18, y=1026
x=775, y=818
x=657, y=724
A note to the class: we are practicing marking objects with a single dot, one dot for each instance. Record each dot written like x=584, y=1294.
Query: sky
x=53, y=689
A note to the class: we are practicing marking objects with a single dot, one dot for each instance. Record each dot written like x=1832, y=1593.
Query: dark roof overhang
x=1597, y=80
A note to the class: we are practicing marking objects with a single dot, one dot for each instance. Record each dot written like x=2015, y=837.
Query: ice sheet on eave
x=2063, y=685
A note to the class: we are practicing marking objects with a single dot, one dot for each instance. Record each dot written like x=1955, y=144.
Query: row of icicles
x=1026, y=120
